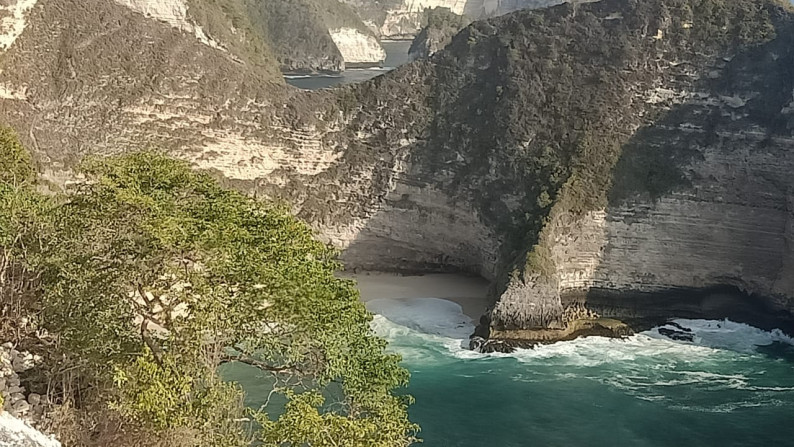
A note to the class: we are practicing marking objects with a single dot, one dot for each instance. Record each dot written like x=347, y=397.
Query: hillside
x=615, y=159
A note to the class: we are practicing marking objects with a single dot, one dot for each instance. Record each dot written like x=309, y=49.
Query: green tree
x=23, y=224
x=16, y=166
x=154, y=276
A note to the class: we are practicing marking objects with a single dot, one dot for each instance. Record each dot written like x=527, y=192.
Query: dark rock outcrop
x=442, y=26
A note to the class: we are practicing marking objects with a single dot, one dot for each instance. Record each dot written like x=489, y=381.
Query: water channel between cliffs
x=396, y=55
x=732, y=385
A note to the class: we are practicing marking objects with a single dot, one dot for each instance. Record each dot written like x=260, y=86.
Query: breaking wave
x=723, y=356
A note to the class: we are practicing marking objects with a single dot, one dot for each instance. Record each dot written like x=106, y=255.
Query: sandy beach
x=469, y=292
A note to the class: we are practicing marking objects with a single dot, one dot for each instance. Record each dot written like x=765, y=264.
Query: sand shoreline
x=469, y=292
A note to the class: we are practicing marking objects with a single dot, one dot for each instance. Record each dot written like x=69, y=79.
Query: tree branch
x=264, y=366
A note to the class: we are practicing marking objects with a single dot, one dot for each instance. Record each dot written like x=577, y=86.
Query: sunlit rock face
x=173, y=12
x=13, y=19
x=358, y=48
x=403, y=18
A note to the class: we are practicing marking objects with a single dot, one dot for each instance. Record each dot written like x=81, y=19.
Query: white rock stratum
x=357, y=47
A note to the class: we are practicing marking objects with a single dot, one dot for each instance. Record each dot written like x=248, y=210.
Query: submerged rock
x=676, y=335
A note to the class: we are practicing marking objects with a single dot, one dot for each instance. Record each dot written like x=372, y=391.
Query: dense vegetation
x=142, y=281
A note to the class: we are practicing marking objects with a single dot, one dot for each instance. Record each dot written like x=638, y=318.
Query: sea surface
x=396, y=55
x=732, y=386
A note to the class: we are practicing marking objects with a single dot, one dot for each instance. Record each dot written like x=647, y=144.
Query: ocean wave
x=726, y=334
x=720, y=371
x=442, y=321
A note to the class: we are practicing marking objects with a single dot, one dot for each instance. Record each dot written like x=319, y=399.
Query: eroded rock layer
x=609, y=160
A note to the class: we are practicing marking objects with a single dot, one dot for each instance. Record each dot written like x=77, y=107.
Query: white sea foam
x=718, y=372
x=726, y=334
x=421, y=324
x=426, y=315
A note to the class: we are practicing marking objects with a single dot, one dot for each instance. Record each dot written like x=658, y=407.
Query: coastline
x=469, y=292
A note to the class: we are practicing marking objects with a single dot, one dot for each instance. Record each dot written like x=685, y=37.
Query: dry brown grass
x=103, y=427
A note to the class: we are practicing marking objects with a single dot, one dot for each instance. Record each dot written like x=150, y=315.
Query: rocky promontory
x=442, y=26
x=612, y=160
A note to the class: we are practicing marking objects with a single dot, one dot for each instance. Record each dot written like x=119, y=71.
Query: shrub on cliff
x=152, y=276
x=16, y=166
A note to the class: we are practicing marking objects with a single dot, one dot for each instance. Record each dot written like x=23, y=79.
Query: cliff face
x=311, y=36
x=358, y=47
x=403, y=19
x=442, y=26
x=616, y=159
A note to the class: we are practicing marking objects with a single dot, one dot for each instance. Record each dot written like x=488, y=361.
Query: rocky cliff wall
x=358, y=48
x=313, y=35
x=173, y=12
x=403, y=19
x=699, y=209
x=579, y=157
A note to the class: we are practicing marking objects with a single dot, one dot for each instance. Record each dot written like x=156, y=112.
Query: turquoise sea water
x=732, y=386
x=721, y=390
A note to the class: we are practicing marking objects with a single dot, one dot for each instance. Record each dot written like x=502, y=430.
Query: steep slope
x=617, y=159
x=442, y=25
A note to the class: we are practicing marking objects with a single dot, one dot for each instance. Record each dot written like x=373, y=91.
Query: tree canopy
x=150, y=276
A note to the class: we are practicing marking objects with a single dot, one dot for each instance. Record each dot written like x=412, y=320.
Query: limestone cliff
x=358, y=47
x=616, y=159
x=403, y=19
x=312, y=35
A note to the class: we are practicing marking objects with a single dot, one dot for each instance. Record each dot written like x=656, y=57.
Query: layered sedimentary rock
x=405, y=18
x=615, y=160
x=173, y=12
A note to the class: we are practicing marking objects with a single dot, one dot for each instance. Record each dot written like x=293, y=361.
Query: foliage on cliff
x=16, y=166
x=148, y=277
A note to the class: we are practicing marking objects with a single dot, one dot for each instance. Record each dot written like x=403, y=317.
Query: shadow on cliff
x=699, y=215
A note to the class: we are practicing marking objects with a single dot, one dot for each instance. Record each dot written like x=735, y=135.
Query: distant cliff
x=404, y=19
x=311, y=35
x=442, y=25
x=617, y=159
